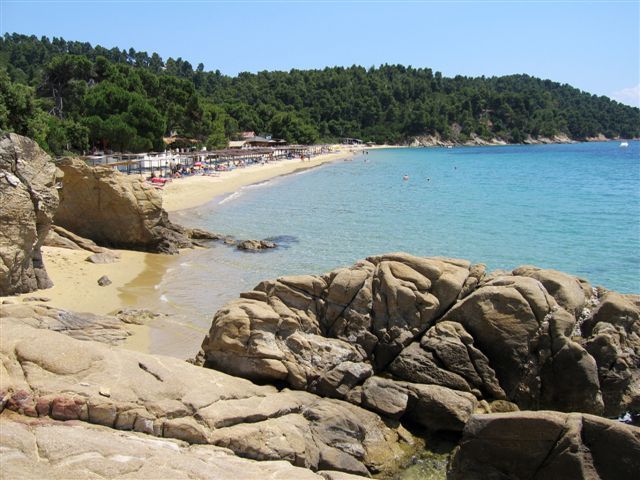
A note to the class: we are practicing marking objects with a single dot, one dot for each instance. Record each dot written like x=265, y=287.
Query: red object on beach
x=159, y=180
x=198, y=164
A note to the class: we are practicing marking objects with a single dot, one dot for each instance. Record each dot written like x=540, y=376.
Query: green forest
x=71, y=97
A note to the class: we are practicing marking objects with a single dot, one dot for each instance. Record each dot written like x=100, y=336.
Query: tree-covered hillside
x=73, y=96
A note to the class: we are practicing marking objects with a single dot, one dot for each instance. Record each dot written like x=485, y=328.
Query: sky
x=592, y=45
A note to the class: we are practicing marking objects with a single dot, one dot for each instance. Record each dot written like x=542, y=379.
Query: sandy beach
x=194, y=191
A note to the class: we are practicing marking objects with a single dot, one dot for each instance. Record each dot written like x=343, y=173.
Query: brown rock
x=115, y=210
x=29, y=200
x=543, y=445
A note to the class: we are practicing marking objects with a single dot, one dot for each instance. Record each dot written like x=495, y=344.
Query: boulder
x=569, y=292
x=523, y=332
x=255, y=245
x=541, y=445
x=29, y=199
x=115, y=210
x=104, y=257
x=46, y=374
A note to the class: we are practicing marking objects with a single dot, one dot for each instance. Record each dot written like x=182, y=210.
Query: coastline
x=191, y=192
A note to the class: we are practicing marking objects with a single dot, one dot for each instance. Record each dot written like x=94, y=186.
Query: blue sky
x=593, y=45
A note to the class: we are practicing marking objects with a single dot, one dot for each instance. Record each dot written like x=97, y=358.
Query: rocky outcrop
x=395, y=332
x=48, y=375
x=115, y=210
x=28, y=201
x=255, y=245
x=46, y=448
x=81, y=326
x=542, y=445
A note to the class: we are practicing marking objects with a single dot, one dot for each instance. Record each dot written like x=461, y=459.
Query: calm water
x=575, y=208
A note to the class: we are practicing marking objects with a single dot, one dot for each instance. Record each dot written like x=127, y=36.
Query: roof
x=237, y=143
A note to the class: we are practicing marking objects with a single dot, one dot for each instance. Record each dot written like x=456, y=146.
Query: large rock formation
x=115, y=210
x=49, y=375
x=395, y=333
x=45, y=448
x=543, y=445
x=28, y=200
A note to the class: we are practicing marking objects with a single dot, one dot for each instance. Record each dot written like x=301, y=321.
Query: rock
x=305, y=328
x=49, y=374
x=29, y=200
x=567, y=290
x=255, y=245
x=446, y=356
x=379, y=332
x=102, y=258
x=115, y=210
x=54, y=239
x=81, y=326
x=61, y=237
x=523, y=333
x=136, y=316
x=36, y=299
x=613, y=333
x=200, y=234
x=51, y=449
x=385, y=397
x=541, y=445
x=103, y=281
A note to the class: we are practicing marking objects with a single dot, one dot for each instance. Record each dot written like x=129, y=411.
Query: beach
x=191, y=192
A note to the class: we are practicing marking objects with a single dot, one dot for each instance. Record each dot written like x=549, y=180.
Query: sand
x=190, y=192
x=76, y=280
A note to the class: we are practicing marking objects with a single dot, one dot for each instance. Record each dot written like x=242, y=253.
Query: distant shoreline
x=191, y=192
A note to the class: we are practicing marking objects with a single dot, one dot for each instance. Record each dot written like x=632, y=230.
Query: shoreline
x=191, y=192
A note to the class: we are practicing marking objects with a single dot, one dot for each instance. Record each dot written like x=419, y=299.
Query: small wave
x=259, y=184
x=163, y=298
x=233, y=196
x=185, y=264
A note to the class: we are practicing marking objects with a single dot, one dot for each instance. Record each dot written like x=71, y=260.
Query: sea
x=571, y=207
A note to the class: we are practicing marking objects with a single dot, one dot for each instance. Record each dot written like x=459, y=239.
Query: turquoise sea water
x=574, y=208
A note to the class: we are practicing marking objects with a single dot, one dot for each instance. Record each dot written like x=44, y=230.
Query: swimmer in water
x=405, y=177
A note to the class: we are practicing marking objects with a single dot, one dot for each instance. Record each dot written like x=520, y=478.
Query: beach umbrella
x=198, y=164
